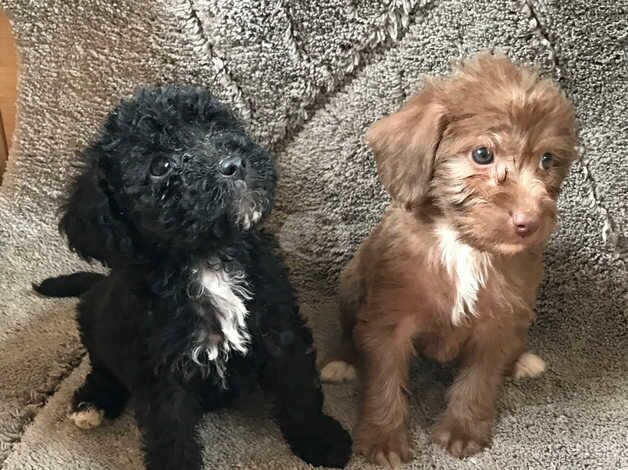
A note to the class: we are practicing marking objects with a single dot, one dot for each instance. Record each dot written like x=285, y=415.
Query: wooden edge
x=4, y=148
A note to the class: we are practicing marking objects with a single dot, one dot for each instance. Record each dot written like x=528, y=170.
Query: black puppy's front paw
x=321, y=442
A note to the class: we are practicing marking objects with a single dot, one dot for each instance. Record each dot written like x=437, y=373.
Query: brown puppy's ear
x=405, y=143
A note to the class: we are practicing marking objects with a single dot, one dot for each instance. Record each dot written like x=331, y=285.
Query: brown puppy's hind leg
x=342, y=367
x=528, y=365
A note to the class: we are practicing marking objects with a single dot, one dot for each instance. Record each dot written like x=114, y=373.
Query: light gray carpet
x=309, y=77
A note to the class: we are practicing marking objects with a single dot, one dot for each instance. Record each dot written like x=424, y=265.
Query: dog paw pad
x=528, y=365
x=87, y=418
x=338, y=371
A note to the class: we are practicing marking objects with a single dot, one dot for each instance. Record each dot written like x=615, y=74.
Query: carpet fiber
x=308, y=77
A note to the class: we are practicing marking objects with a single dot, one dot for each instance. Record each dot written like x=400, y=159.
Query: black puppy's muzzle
x=232, y=167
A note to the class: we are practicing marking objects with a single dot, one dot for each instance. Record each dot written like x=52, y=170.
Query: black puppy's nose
x=231, y=166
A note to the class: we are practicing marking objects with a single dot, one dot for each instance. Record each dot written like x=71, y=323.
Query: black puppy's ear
x=92, y=228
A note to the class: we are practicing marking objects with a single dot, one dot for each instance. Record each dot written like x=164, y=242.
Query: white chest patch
x=468, y=269
x=227, y=292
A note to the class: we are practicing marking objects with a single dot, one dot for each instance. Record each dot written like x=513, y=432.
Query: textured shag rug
x=309, y=76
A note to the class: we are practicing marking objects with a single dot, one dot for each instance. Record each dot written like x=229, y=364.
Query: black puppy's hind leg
x=100, y=396
x=290, y=374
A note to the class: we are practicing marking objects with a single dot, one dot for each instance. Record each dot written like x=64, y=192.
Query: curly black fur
x=198, y=306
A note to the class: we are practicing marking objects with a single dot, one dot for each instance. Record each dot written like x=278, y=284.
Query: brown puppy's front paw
x=389, y=449
x=462, y=438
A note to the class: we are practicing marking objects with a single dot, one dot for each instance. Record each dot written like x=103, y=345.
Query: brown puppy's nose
x=525, y=223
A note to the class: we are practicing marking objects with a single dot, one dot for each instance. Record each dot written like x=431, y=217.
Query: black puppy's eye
x=546, y=162
x=160, y=167
x=482, y=156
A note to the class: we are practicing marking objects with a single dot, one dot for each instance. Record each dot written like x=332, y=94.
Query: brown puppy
x=474, y=163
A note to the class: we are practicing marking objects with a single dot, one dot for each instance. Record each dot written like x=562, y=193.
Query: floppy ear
x=405, y=143
x=92, y=228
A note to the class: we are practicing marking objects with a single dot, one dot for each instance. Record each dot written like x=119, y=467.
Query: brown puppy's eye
x=546, y=162
x=160, y=167
x=482, y=156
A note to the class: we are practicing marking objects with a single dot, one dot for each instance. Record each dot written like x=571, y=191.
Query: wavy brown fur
x=451, y=271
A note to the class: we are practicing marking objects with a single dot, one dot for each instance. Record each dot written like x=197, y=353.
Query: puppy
x=198, y=307
x=474, y=163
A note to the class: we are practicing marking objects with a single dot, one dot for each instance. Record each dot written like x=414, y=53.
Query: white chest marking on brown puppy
x=468, y=269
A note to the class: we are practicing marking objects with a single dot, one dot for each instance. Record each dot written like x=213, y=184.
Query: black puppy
x=198, y=306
